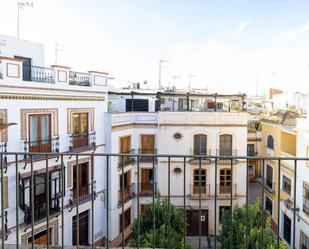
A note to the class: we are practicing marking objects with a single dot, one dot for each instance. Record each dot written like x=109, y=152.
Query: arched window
x=270, y=142
x=200, y=144
x=225, y=145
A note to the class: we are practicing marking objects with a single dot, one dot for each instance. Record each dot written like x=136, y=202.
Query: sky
x=229, y=46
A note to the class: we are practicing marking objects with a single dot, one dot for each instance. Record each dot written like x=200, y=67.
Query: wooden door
x=193, y=219
x=41, y=238
x=226, y=145
x=83, y=229
x=83, y=179
x=39, y=132
x=80, y=129
x=147, y=144
x=125, y=147
x=147, y=181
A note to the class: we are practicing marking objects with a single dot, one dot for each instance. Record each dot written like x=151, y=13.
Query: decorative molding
x=132, y=126
x=70, y=166
x=9, y=75
x=71, y=111
x=37, y=97
x=24, y=116
x=62, y=76
x=4, y=118
x=52, y=224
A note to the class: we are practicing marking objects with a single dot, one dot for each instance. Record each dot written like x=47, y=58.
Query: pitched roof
x=284, y=118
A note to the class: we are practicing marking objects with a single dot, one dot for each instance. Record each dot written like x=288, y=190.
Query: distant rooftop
x=284, y=118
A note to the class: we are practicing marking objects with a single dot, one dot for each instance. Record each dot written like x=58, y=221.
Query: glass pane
x=75, y=123
x=84, y=123
x=45, y=129
x=33, y=129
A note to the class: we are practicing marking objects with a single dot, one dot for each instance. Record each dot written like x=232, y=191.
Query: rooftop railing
x=163, y=189
x=80, y=79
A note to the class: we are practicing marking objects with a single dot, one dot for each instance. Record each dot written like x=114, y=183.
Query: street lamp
x=22, y=5
x=160, y=68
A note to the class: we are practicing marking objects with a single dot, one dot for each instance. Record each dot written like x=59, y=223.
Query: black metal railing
x=126, y=194
x=38, y=74
x=169, y=201
x=82, y=141
x=43, y=145
x=40, y=211
x=80, y=79
x=126, y=159
x=147, y=151
x=84, y=194
x=226, y=153
x=146, y=188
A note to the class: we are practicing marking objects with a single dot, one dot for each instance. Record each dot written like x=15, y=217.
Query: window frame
x=270, y=142
x=285, y=184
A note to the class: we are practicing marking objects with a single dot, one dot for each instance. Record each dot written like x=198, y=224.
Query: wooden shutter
x=225, y=145
x=200, y=144
x=147, y=142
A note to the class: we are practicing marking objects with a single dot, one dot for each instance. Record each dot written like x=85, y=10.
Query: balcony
x=80, y=142
x=198, y=158
x=40, y=209
x=45, y=145
x=227, y=191
x=84, y=195
x=125, y=194
x=226, y=156
x=79, y=79
x=306, y=209
x=38, y=74
x=146, y=189
x=196, y=191
x=147, y=152
x=127, y=159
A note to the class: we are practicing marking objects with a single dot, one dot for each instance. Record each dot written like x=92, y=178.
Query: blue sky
x=226, y=44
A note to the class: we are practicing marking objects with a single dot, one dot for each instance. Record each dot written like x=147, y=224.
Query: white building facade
x=55, y=110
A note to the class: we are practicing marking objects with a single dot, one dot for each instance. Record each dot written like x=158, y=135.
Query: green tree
x=238, y=235
x=161, y=210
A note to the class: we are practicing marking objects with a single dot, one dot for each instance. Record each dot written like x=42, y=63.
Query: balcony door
x=199, y=179
x=80, y=129
x=226, y=145
x=83, y=180
x=147, y=181
x=147, y=144
x=40, y=133
x=124, y=147
x=225, y=181
x=200, y=144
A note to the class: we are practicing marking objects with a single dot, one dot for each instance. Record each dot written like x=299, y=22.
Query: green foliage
x=239, y=221
x=177, y=227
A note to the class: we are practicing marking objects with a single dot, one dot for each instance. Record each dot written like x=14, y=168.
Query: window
x=199, y=179
x=125, y=147
x=225, y=181
x=83, y=180
x=80, y=129
x=270, y=142
x=286, y=184
x=306, y=198
x=287, y=228
x=269, y=176
x=226, y=145
x=200, y=144
x=250, y=149
x=40, y=197
x=39, y=133
x=223, y=210
x=147, y=181
x=269, y=205
x=147, y=144
x=304, y=241
x=127, y=220
x=182, y=104
x=41, y=238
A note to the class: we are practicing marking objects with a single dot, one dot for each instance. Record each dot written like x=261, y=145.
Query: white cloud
x=292, y=34
x=243, y=26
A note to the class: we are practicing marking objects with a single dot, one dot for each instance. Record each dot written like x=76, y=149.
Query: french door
x=40, y=133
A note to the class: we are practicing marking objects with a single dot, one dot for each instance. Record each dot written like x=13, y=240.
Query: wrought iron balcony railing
x=82, y=141
x=84, y=193
x=3, y=148
x=38, y=74
x=44, y=145
x=203, y=190
x=80, y=79
x=147, y=151
x=146, y=188
x=126, y=194
x=126, y=159
x=103, y=219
